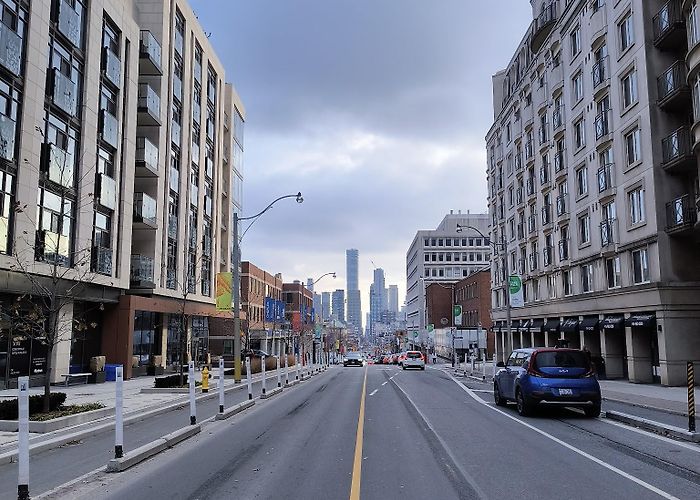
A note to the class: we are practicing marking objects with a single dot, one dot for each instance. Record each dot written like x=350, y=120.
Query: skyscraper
x=326, y=305
x=338, y=309
x=353, y=289
x=377, y=298
x=393, y=298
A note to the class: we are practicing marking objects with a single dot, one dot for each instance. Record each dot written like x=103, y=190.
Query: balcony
x=674, y=91
x=144, y=212
x=605, y=180
x=602, y=125
x=533, y=262
x=677, y=152
x=519, y=198
x=175, y=133
x=530, y=186
x=564, y=250
x=522, y=268
x=149, y=55
x=58, y=165
x=547, y=256
x=141, y=275
x=669, y=27
x=146, y=158
x=174, y=180
x=518, y=160
x=545, y=178
x=10, y=50
x=149, y=106
x=542, y=26
x=69, y=23
x=8, y=129
x=681, y=215
x=521, y=231
x=562, y=206
x=529, y=150
x=107, y=191
x=111, y=66
x=607, y=232
x=64, y=93
x=543, y=135
x=559, y=162
x=546, y=215
x=109, y=128
x=532, y=224
x=600, y=73
x=102, y=260
x=558, y=121
x=172, y=227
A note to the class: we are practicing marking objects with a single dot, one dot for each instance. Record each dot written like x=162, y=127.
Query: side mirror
x=500, y=364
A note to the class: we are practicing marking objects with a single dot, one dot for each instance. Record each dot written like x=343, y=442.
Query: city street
x=424, y=434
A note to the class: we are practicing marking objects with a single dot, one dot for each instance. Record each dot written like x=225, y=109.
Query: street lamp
x=237, y=282
x=504, y=245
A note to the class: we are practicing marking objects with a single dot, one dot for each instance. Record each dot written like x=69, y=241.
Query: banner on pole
x=224, y=293
x=515, y=289
x=457, y=313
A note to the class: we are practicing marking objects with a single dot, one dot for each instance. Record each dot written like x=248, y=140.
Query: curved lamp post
x=237, y=282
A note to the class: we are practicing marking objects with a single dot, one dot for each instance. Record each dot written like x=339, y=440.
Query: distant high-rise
x=326, y=306
x=377, y=298
x=393, y=299
x=338, y=305
x=318, y=305
x=353, y=289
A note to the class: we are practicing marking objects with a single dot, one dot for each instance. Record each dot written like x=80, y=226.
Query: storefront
x=643, y=348
x=570, y=329
x=614, y=350
x=536, y=328
x=20, y=356
x=552, y=329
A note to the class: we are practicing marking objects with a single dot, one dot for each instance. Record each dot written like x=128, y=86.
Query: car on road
x=402, y=356
x=353, y=359
x=414, y=359
x=535, y=376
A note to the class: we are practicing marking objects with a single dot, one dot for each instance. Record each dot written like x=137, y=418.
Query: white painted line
x=373, y=392
x=600, y=462
x=384, y=383
x=391, y=378
x=687, y=446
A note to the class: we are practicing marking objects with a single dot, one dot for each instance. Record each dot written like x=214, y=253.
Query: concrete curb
x=651, y=425
x=55, y=424
x=291, y=383
x=270, y=393
x=169, y=390
x=153, y=448
x=646, y=406
x=229, y=412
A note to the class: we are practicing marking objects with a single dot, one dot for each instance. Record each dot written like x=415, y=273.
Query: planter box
x=155, y=370
x=97, y=378
x=140, y=371
x=57, y=423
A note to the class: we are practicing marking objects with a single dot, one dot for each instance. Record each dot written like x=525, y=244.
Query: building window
x=693, y=26
x=587, y=278
x=582, y=181
x=626, y=31
x=612, y=268
x=636, y=206
x=575, y=41
x=584, y=229
x=567, y=282
x=633, y=147
x=580, y=134
x=640, y=266
x=577, y=86
x=629, y=89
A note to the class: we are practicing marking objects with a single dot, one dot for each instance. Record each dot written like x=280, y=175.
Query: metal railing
x=681, y=213
x=600, y=72
x=604, y=175
x=673, y=80
x=607, y=232
x=602, y=124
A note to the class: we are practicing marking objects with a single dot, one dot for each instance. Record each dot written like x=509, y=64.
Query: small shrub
x=10, y=411
x=170, y=381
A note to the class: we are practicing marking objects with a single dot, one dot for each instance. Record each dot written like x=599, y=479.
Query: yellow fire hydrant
x=205, y=379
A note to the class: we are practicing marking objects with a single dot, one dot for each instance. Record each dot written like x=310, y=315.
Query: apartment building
x=299, y=314
x=593, y=180
x=131, y=150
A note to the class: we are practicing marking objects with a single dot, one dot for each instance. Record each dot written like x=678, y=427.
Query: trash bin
x=111, y=373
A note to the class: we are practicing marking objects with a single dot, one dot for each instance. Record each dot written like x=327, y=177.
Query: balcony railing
x=669, y=26
x=681, y=214
x=175, y=133
x=102, y=260
x=530, y=186
x=558, y=117
x=602, y=124
x=146, y=155
x=149, y=105
x=559, y=161
x=149, y=54
x=607, y=232
x=69, y=23
x=145, y=210
x=109, y=128
x=605, y=180
x=10, y=50
x=519, y=198
x=542, y=25
x=676, y=150
x=563, y=250
x=141, y=275
x=532, y=224
x=107, y=191
x=172, y=227
x=548, y=256
x=562, y=208
x=600, y=72
x=8, y=129
x=546, y=214
x=65, y=93
x=533, y=262
x=111, y=66
x=673, y=87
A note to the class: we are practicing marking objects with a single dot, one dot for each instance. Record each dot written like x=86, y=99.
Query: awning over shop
x=570, y=325
x=552, y=325
x=590, y=324
x=524, y=325
x=536, y=325
x=612, y=323
x=644, y=320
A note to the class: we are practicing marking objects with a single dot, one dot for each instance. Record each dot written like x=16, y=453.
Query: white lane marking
x=392, y=377
x=373, y=392
x=600, y=462
x=384, y=383
x=651, y=434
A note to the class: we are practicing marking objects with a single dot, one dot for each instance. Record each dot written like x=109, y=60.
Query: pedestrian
x=434, y=358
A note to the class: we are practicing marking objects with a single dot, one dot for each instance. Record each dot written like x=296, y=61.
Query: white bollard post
x=296, y=361
x=119, y=413
x=483, y=366
x=262, y=370
x=193, y=405
x=494, y=367
x=286, y=369
x=221, y=384
x=23, y=438
x=279, y=372
x=249, y=378
x=472, y=364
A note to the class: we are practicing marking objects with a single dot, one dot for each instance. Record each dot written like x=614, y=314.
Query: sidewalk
x=670, y=399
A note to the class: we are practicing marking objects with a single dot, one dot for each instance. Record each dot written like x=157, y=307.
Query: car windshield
x=561, y=359
x=353, y=355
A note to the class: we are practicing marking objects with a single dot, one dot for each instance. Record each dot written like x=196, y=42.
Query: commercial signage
x=224, y=293
x=515, y=289
x=457, y=313
x=19, y=356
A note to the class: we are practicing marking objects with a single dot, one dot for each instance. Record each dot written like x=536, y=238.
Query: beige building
x=593, y=184
x=121, y=162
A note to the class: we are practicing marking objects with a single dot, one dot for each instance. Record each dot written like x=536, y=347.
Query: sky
x=376, y=110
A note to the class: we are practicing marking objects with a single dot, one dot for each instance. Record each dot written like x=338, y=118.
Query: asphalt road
x=423, y=435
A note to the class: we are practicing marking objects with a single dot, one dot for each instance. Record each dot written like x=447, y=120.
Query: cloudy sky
x=376, y=110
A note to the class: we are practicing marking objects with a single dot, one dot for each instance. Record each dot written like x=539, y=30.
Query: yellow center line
x=357, y=463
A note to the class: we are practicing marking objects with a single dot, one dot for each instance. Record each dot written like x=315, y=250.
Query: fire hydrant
x=205, y=379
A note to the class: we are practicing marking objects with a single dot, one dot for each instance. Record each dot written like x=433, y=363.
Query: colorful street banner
x=224, y=293
x=515, y=289
x=279, y=308
x=457, y=313
x=270, y=309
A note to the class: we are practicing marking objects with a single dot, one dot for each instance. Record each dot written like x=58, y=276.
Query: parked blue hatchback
x=550, y=376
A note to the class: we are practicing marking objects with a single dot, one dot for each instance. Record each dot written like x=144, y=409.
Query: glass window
x=575, y=41
x=640, y=266
x=580, y=133
x=584, y=229
x=577, y=86
x=587, y=278
x=626, y=31
x=612, y=268
x=567, y=282
x=581, y=181
x=633, y=148
x=629, y=89
x=636, y=206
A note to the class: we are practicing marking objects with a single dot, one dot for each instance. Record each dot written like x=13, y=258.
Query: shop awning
x=612, y=323
x=641, y=320
x=570, y=325
x=524, y=324
x=590, y=324
x=552, y=325
x=536, y=325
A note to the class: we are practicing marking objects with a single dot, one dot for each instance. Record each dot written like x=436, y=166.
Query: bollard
x=23, y=438
x=296, y=362
x=483, y=366
x=494, y=367
x=119, y=413
x=691, y=397
x=193, y=407
x=286, y=369
x=279, y=373
x=262, y=370
x=221, y=385
x=205, y=379
x=249, y=378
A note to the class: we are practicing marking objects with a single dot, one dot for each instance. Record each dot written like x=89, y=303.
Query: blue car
x=549, y=376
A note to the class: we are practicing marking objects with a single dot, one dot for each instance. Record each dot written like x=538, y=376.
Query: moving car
x=353, y=359
x=414, y=359
x=536, y=376
x=402, y=356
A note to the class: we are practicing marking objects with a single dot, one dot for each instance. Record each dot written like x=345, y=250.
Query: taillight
x=531, y=370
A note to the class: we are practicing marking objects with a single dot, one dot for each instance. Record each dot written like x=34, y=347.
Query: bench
x=67, y=377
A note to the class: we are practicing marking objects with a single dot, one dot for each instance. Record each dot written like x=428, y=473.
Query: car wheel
x=524, y=406
x=592, y=411
x=403, y=367
x=499, y=400
x=422, y=367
